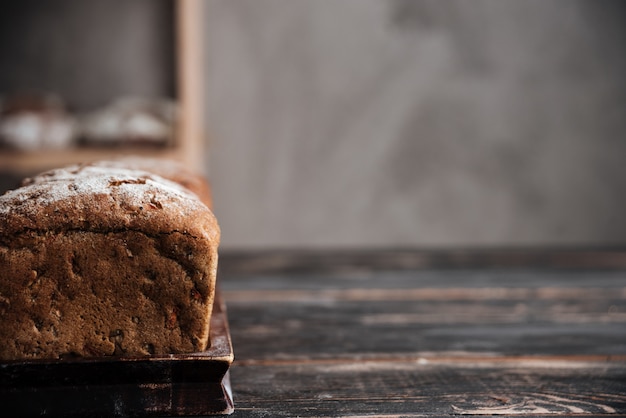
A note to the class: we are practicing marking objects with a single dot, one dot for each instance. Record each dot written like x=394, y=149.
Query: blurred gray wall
x=428, y=123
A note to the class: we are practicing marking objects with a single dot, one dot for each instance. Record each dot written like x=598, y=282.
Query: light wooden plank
x=191, y=130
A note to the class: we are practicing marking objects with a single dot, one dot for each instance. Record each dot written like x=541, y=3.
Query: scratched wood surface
x=414, y=333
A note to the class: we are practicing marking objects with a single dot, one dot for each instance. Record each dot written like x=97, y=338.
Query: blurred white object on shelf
x=131, y=120
x=30, y=123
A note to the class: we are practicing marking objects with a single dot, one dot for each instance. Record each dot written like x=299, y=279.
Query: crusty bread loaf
x=105, y=261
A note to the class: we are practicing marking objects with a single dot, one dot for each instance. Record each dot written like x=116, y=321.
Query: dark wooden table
x=413, y=333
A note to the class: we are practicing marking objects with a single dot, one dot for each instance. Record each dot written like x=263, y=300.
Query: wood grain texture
x=374, y=329
x=363, y=334
x=419, y=388
x=347, y=261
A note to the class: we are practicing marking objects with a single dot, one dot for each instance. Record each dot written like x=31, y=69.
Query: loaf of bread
x=101, y=260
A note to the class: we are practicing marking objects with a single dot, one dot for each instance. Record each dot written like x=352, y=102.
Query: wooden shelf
x=30, y=162
x=188, y=146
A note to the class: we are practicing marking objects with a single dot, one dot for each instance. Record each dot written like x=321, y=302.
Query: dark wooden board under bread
x=175, y=385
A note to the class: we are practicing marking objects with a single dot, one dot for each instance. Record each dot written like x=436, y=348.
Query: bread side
x=105, y=262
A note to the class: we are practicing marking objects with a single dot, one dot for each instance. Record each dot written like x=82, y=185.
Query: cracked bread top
x=168, y=169
x=94, y=198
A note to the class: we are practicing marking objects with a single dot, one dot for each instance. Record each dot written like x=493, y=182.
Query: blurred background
x=351, y=123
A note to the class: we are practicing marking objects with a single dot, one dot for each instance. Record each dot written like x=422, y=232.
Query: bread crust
x=105, y=261
x=168, y=169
